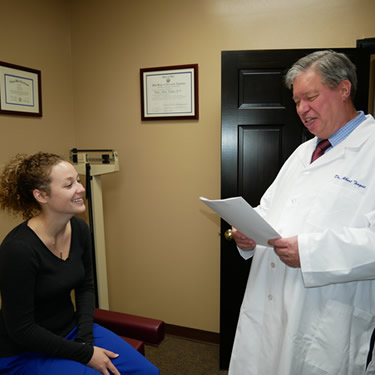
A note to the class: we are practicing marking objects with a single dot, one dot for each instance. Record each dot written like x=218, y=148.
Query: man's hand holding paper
x=287, y=250
x=243, y=242
x=238, y=213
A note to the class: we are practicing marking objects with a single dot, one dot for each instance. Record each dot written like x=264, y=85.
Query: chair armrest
x=151, y=331
x=136, y=344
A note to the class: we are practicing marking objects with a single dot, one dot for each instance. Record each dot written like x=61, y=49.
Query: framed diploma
x=170, y=93
x=20, y=90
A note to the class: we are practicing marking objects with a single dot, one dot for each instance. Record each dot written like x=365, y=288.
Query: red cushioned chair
x=136, y=330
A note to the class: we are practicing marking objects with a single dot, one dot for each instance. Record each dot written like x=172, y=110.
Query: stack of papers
x=238, y=213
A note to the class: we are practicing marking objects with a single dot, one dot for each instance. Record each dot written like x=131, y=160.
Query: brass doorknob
x=228, y=235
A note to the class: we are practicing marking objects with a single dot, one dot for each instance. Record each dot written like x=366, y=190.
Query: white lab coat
x=316, y=319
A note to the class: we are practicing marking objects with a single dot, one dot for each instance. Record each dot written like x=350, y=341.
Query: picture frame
x=169, y=93
x=20, y=90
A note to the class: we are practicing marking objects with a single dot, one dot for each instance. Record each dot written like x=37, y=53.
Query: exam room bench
x=136, y=330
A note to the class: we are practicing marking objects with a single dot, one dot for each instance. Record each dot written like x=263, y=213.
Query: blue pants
x=129, y=361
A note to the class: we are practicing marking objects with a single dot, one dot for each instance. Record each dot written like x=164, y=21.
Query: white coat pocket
x=340, y=342
x=334, y=205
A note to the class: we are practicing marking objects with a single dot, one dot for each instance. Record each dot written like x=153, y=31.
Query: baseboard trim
x=192, y=334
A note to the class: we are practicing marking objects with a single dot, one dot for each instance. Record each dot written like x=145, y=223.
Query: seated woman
x=42, y=261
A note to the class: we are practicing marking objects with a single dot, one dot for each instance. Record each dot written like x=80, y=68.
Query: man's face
x=320, y=108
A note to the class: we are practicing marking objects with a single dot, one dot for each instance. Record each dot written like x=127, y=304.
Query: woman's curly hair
x=20, y=177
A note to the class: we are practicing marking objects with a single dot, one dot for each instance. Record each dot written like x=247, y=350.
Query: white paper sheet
x=238, y=213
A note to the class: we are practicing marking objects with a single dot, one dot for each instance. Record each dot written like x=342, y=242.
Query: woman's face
x=65, y=190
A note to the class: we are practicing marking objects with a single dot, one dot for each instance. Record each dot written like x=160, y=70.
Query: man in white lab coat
x=309, y=305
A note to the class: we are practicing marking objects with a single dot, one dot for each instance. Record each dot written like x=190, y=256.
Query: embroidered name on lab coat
x=351, y=181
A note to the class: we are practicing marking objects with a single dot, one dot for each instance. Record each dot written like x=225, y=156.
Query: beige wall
x=36, y=34
x=162, y=245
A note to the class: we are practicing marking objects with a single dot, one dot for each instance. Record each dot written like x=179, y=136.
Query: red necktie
x=320, y=148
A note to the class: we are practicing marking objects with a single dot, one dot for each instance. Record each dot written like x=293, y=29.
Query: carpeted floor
x=178, y=356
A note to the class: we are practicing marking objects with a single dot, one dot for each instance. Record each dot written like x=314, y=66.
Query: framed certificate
x=20, y=90
x=169, y=93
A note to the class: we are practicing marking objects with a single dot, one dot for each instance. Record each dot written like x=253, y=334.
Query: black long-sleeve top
x=37, y=310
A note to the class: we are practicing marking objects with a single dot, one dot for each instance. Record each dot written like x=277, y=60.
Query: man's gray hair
x=333, y=67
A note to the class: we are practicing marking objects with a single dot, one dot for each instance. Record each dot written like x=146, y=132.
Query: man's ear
x=345, y=88
x=40, y=196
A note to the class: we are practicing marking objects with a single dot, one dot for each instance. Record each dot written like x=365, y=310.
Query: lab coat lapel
x=353, y=143
x=305, y=151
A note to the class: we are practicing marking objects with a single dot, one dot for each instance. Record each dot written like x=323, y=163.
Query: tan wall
x=36, y=34
x=162, y=245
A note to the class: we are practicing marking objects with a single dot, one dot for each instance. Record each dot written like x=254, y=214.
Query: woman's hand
x=101, y=361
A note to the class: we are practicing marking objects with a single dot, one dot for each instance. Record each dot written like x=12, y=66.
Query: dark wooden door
x=260, y=129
